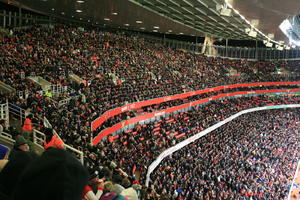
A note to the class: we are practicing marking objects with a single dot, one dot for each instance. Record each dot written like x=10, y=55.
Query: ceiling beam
x=199, y=15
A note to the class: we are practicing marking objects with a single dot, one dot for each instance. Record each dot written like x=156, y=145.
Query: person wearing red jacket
x=27, y=127
x=52, y=141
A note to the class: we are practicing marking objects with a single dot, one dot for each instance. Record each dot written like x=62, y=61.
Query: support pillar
x=226, y=55
x=208, y=47
x=20, y=16
x=9, y=18
x=256, y=50
x=196, y=46
x=4, y=19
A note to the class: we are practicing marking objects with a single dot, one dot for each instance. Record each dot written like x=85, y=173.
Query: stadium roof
x=189, y=17
x=200, y=15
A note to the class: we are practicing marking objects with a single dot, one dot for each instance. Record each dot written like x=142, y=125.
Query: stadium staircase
x=76, y=79
x=45, y=85
x=6, y=88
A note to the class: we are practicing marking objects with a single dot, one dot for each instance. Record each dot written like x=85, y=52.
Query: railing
x=147, y=118
x=58, y=89
x=68, y=147
x=113, y=112
x=229, y=51
x=47, y=123
x=254, y=53
x=79, y=153
x=7, y=137
x=38, y=138
x=4, y=112
x=189, y=140
x=67, y=100
x=13, y=18
x=17, y=112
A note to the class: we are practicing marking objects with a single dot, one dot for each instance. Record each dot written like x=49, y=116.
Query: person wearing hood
x=51, y=140
x=21, y=144
x=28, y=126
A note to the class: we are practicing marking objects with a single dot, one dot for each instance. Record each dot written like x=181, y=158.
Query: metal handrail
x=76, y=151
x=4, y=112
x=36, y=138
x=48, y=125
x=39, y=137
x=7, y=137
x=18, y=111
x=230, y=52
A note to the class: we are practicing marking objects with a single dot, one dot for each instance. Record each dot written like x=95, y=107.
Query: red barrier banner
x=134, y=120
x=99, y=121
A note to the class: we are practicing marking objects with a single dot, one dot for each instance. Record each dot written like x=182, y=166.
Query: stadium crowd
x=117, y=69
x=142, y=144
x=252, y=157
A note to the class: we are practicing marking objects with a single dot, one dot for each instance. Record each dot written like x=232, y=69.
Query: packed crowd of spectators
x=252, y=157
x=156, y=107
x=119, y=68
x=127, y=68
x=142, y=144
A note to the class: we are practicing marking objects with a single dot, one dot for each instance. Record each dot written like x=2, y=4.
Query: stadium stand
x=258, y=154
x=71, y=77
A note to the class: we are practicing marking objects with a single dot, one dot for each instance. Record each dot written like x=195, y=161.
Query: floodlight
x=223, y=10
x=271, y=36
x=251, y=32
x=267, y=43
x=291, y=28
x=279, y=47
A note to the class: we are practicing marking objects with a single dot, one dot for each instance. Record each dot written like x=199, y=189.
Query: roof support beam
x=200, y=15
